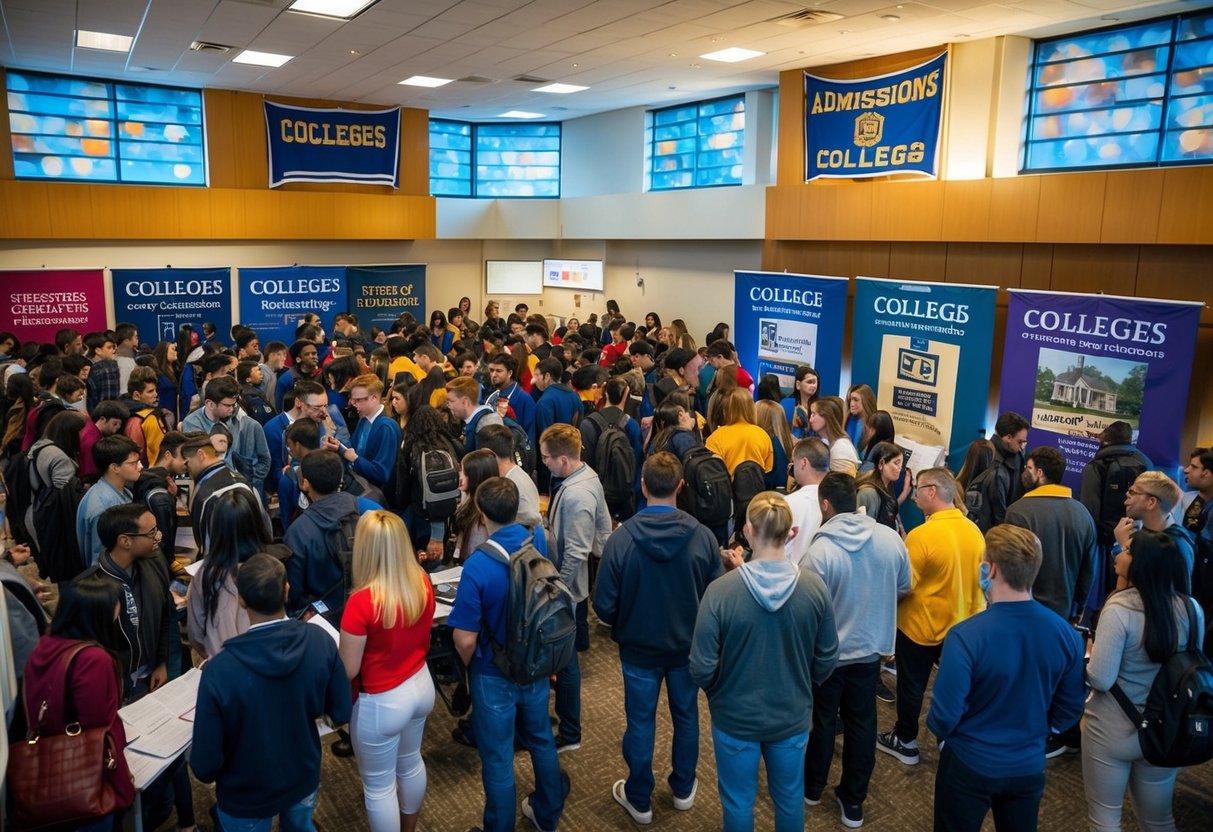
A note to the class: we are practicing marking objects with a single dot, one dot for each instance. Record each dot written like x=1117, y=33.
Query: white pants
x=1112, y=761
x=386, y=730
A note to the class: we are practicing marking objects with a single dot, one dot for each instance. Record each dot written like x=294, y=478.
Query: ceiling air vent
x=531, y=79
x=805, y=17
x=476, y=79
x=205, y=46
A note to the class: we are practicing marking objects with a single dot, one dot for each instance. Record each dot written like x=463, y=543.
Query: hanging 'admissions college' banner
x=379, y=294
x=874, y=126
x=39, y=303
x=160, y=301
x=925, y=349
x=783, y=320
x=1076, y=363
x=273, y=300
x=329, y=145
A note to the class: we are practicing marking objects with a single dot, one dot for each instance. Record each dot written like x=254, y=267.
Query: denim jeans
x=296, y=818
x=963, y=797
x=494, y=702
x=737, y=778
x=568, y=700
x=851, y=688
x=641, y=688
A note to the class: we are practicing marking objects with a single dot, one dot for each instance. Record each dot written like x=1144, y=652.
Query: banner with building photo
x=378, y=295
x=925, y=349
x=160, y=301
x=874, y=126
x=40, y=302
x=307, y=144
x=1073, y=364
x=273, y=300
x=782, y=320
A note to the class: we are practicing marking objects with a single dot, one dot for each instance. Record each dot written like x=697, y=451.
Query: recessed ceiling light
x=344, y=9
x=560, y=88
x=844, y=31
x=103, y=40
x=425, y=81
x=891, y=18
x=251, y=56
x=520, y=114
x=732, y=55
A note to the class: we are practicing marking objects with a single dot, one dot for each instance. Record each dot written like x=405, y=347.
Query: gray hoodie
x=865, y=567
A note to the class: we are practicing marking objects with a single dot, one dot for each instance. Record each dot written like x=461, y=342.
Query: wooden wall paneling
x=918, y=261
x=118, y=211
x=71, y=211
x=24, y=209
x=907, y=210
x=220, y=137
x=992, y=264
x=966, y=209
x=1095, y=269
x=414, y=158
x=1186, y=215
x=1037, y=271
x=1198, y=416
x=1177, y=273
x=1014, y=209
x=262, y=220
x=1071, y=208
x=1132, y=201
x=996, y=358
x=836, y=212
x=227, y=213
x=789, y=153
x=783, y=213
x=194, y=212
x=249, y=153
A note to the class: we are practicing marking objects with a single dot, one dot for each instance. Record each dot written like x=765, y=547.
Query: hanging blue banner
x=925, y=349
x=782, y=320
x=874, y=126
x=329, y=145
x=1076, y=363
x=273, y=300
x=160, y=301
x=379, y=294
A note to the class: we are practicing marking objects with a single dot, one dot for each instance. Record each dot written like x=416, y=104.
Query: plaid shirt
x=103, y=382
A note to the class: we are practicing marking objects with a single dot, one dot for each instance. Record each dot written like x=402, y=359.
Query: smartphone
x=320, y=607
x=905, y=459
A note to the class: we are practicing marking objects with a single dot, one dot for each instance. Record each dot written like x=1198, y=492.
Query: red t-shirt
x=393, y=655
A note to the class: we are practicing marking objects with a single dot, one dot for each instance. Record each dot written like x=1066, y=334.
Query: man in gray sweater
x=865, y=567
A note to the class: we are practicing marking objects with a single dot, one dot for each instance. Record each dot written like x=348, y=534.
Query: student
x=106, y=419
x=739, y=439
x=117, y=458
x=861, y=404
x=825, y=420
x=376, y=437
x=258, y=702
x=461, y=400
x=804, y=393
x=503, y=370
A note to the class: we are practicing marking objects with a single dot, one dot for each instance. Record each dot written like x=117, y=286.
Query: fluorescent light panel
x=103, y=40
x=560, y=88
x=520, y=114
x=732, y=55
x=425, y=81
x=251, y=56
x=331, y=8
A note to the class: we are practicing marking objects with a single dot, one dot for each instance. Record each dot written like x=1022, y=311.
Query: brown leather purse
x=63, y=778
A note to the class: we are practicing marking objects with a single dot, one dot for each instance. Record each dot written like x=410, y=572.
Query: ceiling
x=628, y=52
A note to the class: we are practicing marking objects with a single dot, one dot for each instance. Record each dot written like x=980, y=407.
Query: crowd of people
x=736, y=536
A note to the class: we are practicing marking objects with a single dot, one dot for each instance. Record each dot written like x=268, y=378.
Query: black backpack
x=524, y=449
x=977, y=497
x=20, y=496
x=614, y=460
x=439, y=474
x=342, y=550
x=749, y=480
x=709, y=489
x=1121, y=471
x=540, y=618
x=1176, y=727
x=59, y=555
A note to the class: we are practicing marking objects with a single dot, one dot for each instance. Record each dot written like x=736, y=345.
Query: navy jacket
x=559, y=403
x=254, y=726
x=314, y=571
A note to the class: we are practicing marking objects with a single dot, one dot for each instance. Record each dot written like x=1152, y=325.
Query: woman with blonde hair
x=385, y=633
x=739, y=439
x=764, y=638
x=825, y=419
x=860, y=406
x=771, y=418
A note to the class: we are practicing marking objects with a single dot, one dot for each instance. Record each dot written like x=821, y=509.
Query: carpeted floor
x=901, y=797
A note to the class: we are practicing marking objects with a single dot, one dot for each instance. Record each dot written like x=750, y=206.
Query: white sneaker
x=643, y=818
x=685, y=804
x=529, y=813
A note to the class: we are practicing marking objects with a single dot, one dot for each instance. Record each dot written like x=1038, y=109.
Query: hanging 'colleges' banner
x=330, y=145
x=378, y=294
x=782, y=320
x=40, y=302
x=925, y=349
x=160, y=301
x=1076, y=363
x=874, y=126
x=273, y=300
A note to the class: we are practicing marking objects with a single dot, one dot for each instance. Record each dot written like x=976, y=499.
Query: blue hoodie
x=258, y=702
x=655, y=568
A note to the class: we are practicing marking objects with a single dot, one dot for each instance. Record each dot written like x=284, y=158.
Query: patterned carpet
x=901, y=796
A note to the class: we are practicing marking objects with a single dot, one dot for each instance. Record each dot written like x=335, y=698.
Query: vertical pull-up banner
x=925, y=348
x=273, y=300
x=328, y=145
x=160, y=301
x=39, y=303
x=874, y=126
x=1074, y=364
x=379, y=294
x=782, y=320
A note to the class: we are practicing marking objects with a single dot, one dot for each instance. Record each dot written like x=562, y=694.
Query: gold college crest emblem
x=869, y=129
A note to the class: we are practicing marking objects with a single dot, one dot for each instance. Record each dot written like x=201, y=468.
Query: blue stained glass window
x=83, y=129
x=697, y=145
x=1130, y=96
x=494, y=160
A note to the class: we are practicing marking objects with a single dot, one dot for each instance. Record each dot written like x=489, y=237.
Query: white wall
x=603, y=154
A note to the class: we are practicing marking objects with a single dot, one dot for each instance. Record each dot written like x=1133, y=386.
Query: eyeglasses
x=154, y=534
x=918, y=486
x=1137, y=492
x=358, y=399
